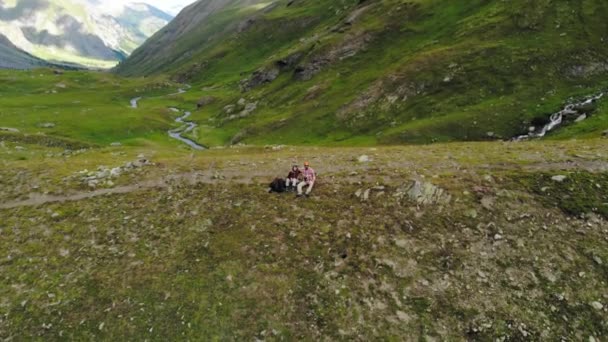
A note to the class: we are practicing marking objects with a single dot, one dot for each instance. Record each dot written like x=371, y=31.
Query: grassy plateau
x=111, y=230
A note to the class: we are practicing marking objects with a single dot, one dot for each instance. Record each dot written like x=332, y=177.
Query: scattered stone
x=605, y=134
x=241, y=102
x=359, y=193
x=581, y=118
x=363, y=159
x=597, y=305
x=55, y=215
x=487, y=202
x=498, y=237
x=471, y=213
x=229, y=109
x=58, y=72
x=597, y=260
x=403, y=316
x=491, y=134
x=366, y=195
x=116, y=172
x=559, y=178
x=9, y=129
x=115, y=144
x=19, y=148
x=47, y=125
x=61, y=85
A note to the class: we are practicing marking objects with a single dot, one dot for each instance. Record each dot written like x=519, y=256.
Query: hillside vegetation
x=382, y=71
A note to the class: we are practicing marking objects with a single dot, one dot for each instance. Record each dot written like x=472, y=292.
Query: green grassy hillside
x=383, y=71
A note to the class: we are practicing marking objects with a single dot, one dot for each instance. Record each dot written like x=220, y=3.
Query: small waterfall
x=134, y=102
x=556, y=119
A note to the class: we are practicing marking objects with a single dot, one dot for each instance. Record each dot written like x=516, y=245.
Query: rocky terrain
x=489, y=241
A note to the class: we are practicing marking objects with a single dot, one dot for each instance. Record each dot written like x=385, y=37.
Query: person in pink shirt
x=309, y=180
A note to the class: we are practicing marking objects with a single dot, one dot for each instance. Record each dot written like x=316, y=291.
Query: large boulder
x=424, y=193
x=259, y=78
x=205, y=101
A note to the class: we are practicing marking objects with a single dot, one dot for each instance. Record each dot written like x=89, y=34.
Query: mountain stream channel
x=186, y=126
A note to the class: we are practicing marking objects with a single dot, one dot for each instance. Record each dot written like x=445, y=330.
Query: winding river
x=186, y=126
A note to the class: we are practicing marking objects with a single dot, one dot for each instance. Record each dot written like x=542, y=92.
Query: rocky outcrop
x=259, y=78
x=423, y=193
x=269, y=74
x=349, y=47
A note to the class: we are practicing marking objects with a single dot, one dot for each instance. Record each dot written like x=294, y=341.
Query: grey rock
x=259, y=77
x=9, y=129
x=366, y=194
x=424, y=193
x=471, y=213
x=581, y=118
x=597, y=305
x=116, y=172
x=229, y=109
x=116, y=144
x=559, y=178
x=605, y=134
x=47, y=125
x=363, y=159
x=488, y=202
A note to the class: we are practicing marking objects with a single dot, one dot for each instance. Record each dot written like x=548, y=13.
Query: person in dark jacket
x=293, y=178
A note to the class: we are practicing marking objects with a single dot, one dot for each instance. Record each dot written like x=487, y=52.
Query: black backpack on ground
x=278, y=185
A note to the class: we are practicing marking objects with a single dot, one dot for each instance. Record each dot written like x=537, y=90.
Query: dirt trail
x=36, y=199
x=246, y=176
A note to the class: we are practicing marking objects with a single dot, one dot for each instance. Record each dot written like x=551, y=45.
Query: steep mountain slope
x=202, y=22
x=79, y=31
x=386, y=71
x=11, y=57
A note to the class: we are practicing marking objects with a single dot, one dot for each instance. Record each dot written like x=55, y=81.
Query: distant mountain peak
x=87, y=32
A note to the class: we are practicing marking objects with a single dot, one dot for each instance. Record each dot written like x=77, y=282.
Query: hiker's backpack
x=278, y=185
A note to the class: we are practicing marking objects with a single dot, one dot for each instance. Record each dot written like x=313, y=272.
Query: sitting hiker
x=277, y=185
x=309, y=179
x=293, y=178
